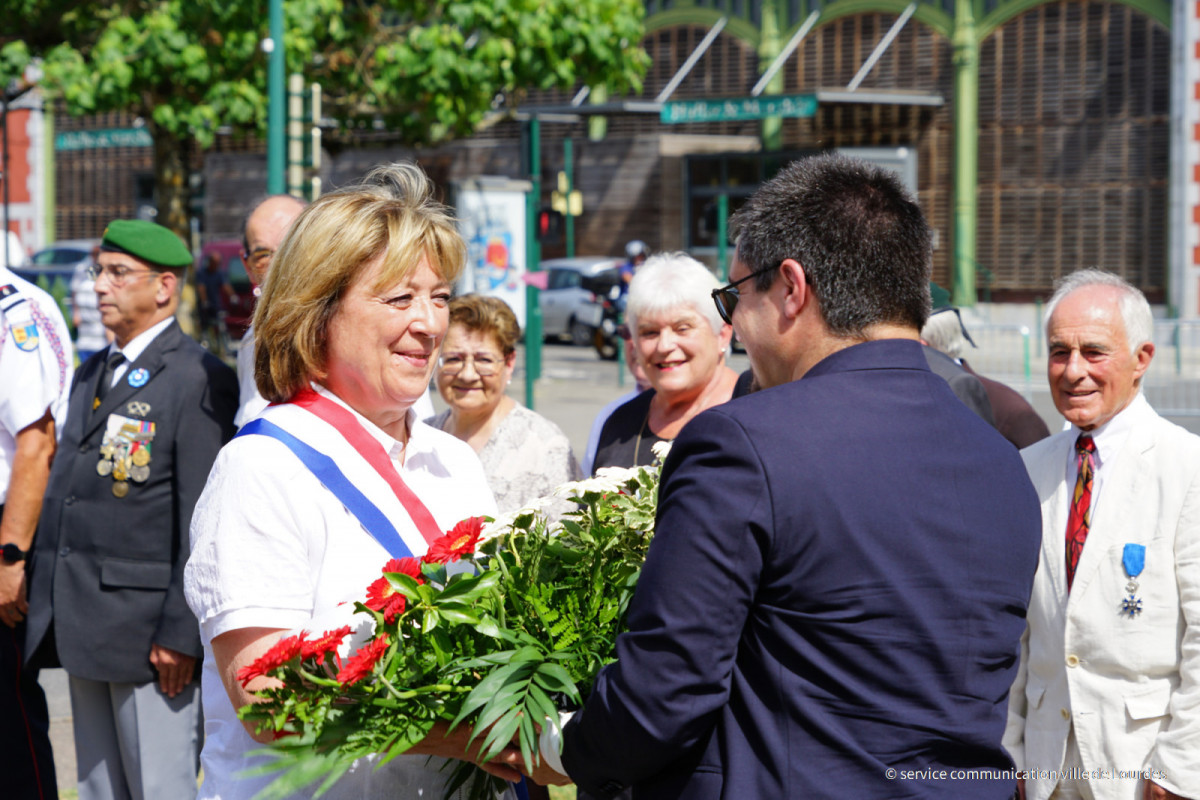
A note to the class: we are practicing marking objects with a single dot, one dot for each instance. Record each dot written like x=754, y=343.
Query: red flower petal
x=280, y=653
x=328, y=643
x=361, y=663
x=459, y=542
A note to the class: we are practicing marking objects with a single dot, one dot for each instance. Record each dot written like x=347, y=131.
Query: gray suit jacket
x=107, y=571
x=965, y=386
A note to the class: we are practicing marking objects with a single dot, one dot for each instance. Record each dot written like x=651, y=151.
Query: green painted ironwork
x=966, y=153
x=533, y=257
x=762, y=24
x=276, y=113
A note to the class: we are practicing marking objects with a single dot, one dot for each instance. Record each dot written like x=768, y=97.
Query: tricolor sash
x=348, y=436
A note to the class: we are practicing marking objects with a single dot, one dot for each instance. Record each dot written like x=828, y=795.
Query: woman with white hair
x=680, y=342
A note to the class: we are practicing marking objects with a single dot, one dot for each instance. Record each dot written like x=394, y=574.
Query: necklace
x=637, y=447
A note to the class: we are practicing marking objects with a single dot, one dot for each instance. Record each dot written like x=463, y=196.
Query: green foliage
x=500, y=649
x=428, y=70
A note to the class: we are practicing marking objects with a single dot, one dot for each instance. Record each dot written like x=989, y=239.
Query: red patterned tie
x=1081, y=504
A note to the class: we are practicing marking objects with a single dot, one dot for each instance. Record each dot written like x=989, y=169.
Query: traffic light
x=549, y=226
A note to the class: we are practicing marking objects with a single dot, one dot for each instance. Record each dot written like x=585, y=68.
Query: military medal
x=138, y=377
x=125, y=452
x=1133, y=558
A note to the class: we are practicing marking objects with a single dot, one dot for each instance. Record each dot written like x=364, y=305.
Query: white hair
x=668, y=281
x=944, y=331
x=1134, y=308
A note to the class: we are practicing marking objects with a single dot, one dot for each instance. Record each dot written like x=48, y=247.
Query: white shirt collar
x=417, y=443
x=138, y=344
x=1111, y=436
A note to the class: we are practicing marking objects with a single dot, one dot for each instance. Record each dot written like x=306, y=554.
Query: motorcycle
x=604, y=313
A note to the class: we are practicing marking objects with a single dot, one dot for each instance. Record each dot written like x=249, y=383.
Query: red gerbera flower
x=359, y=665
x=326, y=644
x=382, y=596
x=280, y=653
x=457, y=543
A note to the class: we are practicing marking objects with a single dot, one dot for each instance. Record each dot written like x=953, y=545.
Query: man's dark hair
x=860, y=236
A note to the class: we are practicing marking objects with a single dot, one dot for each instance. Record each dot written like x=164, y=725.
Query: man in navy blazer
x=834, y=599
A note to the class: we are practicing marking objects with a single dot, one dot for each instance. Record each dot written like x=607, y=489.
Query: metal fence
x=1015, y=355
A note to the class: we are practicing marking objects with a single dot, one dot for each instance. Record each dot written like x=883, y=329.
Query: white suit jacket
x=1130, y=684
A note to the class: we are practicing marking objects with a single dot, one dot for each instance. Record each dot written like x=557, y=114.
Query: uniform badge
x=138, y=377
x=126, y=452
x=137, y=408
x=1133, y=558
x=6, y=290
x=25, y=335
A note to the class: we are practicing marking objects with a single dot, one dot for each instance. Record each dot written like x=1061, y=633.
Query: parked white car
x=566, y=303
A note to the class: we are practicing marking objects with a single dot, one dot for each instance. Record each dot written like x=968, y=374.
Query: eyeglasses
x=486, y=364
x=727, y=296
x=258, y=255
x=117, y=275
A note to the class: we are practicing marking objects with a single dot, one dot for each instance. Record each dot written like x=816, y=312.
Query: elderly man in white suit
x=1107, y=700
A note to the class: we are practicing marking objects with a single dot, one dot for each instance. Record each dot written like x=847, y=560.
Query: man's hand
x=174, y=669
x=441, y=741
x=1155, y=792
x=13, y=606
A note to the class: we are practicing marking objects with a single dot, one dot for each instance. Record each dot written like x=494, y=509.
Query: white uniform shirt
x=271, y=547
x=36, y=364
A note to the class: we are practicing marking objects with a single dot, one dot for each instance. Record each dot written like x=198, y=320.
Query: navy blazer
x=108, y=571
x=837, y=587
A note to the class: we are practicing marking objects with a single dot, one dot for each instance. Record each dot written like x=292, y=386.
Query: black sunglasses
x=727, y=296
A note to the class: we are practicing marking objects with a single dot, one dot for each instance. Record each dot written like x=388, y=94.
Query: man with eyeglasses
x=834, y=600
x=263, y=232
x=145, y=419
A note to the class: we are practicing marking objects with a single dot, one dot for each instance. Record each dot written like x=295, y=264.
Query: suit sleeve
x=1177, y=750
x=664, y=695
x=1014, y=730
x=205, y=425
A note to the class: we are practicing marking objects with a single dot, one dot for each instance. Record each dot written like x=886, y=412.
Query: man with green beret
x=146, y=418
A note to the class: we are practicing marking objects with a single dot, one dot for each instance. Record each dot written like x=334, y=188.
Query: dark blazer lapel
x=150, y=360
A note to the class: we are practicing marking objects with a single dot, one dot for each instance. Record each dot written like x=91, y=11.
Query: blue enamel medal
x=138, y=377
x=1133, y=558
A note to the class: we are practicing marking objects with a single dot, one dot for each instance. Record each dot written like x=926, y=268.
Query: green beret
x=941, y=297
x=147, y=241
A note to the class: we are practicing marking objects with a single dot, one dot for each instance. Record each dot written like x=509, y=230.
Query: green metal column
x=569, y=169
x=768, y=49
x=723, y=237
x=276, y=124
x=533, y=257
x=966, y=151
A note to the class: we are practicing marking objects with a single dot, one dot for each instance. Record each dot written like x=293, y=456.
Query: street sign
x=109, y=137
x=739, y=108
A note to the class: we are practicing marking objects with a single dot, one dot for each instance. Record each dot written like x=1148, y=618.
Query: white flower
x=503, y=522
x=607, y=480
x=661, y=449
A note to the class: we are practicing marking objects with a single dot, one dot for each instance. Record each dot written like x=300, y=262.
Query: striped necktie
x=1080, y=519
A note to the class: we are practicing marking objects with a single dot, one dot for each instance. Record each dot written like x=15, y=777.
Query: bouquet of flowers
x=498, y=626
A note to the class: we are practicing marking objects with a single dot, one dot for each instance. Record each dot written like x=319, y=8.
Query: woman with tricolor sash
x=337, y=476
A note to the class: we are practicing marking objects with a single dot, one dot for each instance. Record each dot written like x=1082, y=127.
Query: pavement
x=574, y=386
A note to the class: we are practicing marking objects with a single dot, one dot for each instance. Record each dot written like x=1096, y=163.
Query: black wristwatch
x=12, y=554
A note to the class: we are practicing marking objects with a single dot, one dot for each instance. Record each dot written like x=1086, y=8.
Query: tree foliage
x=424, y=69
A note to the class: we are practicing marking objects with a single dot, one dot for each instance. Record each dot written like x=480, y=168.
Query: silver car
x=566, y=303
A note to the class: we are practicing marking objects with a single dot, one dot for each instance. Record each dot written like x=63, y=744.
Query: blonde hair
x=391, y=213
x=487, y=315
